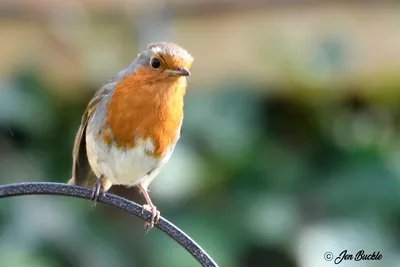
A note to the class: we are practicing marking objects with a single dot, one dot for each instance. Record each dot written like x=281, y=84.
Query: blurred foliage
x=265, y=174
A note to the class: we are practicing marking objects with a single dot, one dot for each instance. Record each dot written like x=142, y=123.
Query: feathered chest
x=145, y=111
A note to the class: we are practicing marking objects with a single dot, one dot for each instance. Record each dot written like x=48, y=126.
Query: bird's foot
x=155, y=216
x=98, y=192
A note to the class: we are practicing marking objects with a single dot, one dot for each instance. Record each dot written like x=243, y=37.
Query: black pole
x=47, y=188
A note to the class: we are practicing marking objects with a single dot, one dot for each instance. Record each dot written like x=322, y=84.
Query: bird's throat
x=140, y=110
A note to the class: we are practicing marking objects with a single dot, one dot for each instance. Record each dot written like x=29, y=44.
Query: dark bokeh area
x=290, y=145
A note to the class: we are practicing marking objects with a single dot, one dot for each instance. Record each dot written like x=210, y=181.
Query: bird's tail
x=72, y=181
x=89, y=180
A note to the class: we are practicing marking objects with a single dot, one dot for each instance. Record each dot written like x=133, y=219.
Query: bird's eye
x=155, y=63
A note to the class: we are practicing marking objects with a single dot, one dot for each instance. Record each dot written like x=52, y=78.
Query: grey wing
x=81, y=171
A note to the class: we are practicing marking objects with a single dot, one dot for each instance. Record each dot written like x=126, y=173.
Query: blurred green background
x=290, y=145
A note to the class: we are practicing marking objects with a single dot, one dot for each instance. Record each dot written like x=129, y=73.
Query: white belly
x=124, y=167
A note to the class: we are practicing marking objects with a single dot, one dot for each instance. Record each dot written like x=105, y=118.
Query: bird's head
x=163, y=61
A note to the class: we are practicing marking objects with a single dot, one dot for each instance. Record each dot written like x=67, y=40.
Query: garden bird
x=130, y=127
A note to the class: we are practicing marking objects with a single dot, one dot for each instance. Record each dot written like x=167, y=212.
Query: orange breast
x=143, y=109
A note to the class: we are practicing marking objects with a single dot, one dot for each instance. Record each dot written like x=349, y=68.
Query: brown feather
x=140, y=109
x=81, y=170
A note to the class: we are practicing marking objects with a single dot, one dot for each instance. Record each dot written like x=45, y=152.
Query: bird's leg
x=99, y=190
x=155, y=214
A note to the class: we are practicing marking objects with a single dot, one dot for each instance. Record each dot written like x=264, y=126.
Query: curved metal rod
x=47, y=188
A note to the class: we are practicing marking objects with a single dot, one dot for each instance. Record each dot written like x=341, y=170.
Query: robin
x=132, y=124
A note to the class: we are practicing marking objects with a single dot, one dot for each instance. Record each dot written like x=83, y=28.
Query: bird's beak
x=179, y=72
